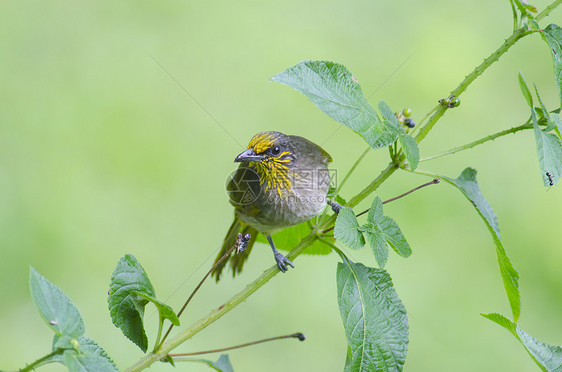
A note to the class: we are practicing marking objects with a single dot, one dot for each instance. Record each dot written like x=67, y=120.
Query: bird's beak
x=248, y=155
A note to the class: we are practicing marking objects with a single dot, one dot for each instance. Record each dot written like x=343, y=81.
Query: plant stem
x=41, y=361
x=434, y=182
x=470, y=145
x=298, y=335
x=352, y=169
x=479, y=70
x=514, y=15
x=224, y=257
x=550, y=7
x=234, y=301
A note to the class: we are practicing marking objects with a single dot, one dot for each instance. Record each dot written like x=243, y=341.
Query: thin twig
x=224, y=257
x=480, y=141
x=352, y=169
x=435, y=181
x=298, y=335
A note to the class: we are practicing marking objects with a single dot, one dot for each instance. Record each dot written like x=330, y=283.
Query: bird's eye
x=275, y=150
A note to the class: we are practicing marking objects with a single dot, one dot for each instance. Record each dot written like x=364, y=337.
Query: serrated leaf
x=549, y=151
x=525, y=90
x=55, y=307
x=332, y=88
x=379, y=227
x=89, y=358
x=126, y=307
x=394, y=236
x=374, y=318
x=374, y=236
x=408, y=143
x=547, y=357
x=553, y=36
x=376, y=211
x=347, y=229
x=467, y=184
x=289, y=237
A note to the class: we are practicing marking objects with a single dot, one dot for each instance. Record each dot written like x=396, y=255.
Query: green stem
x=387, y=172
x=352, y=169
x=160, y=325
x=514, y=11
x=234, y=301
x=470, y=145
x=479, y=70
x=550, y=7
x=42, y=360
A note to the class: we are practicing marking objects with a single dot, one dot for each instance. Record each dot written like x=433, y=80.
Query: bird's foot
x=282, y=262
x=335, y=206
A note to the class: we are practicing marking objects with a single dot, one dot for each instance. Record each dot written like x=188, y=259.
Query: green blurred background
x=102, y=154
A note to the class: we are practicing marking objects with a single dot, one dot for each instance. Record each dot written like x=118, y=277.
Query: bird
x=282, y=181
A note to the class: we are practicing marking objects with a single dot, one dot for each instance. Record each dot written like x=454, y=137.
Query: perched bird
x=282, y=181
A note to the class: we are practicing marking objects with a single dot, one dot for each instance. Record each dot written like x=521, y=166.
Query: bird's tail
x=237, y=260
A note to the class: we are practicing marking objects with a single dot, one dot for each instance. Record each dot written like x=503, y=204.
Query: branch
x=298, y=335
x=479, y=70
x=470, y=145
x=234, y=301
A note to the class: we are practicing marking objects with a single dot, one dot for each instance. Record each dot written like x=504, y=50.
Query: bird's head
x=267, y=148
x=271, y=155
x=277, y=158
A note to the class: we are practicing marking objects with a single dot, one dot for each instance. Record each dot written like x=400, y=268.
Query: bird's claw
x=282, y=262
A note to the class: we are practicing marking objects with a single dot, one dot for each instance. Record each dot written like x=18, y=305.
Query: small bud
x=301, y=336
x=407, y=112
x=75, y=343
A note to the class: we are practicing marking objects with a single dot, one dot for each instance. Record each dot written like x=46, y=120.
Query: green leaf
x=332, y=88
x=380, y=229
x=164, y=310
x=549, y=121
x=408, y=143
x=126, y=307
x=288, y=238
x=378, y=244
x=347, y=229
x=525, y=90
x=553, y=36
x=547, y=357
x=55, y=307
x=549, y=150
x=374, y=318
x=558, y=122
x=90, y=357
x=467, y=184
